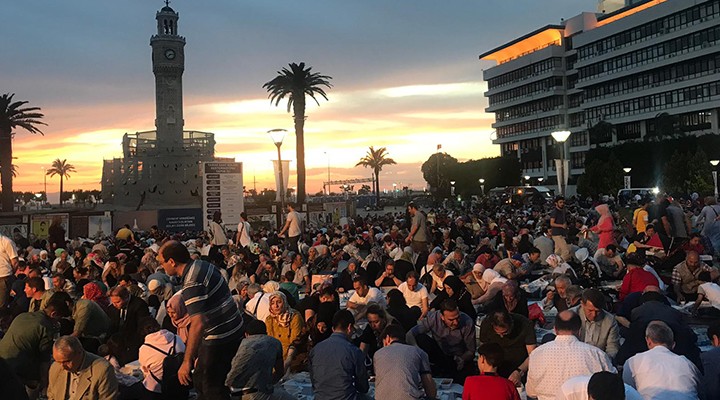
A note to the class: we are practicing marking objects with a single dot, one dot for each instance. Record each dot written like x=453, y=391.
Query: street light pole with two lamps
x=626, y=178
x=277, y=136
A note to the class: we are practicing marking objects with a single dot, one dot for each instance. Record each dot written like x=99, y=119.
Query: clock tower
x=168, y=59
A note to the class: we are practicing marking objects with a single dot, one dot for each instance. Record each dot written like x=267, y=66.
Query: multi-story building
x=637, y=69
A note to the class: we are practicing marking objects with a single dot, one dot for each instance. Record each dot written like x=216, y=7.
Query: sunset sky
x=406, y=76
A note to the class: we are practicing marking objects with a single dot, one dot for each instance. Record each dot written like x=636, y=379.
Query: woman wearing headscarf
x=321, y=323
x=92, y=291
x=560, y=267
x=178, y=314
x=455, y=289
x=491, y=284
x=286, y=325
x=604, y=228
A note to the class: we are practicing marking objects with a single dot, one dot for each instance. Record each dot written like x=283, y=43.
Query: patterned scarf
x=286, y=313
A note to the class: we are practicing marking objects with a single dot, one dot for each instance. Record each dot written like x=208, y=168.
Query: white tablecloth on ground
x=300, y=387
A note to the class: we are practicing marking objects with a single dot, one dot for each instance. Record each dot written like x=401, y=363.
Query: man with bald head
x=555, y=362
x=685, y=276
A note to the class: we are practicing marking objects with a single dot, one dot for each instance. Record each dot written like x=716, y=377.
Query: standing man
x=242, y=239
x=218, y=239
x=401, y=369
x=8, y=265
x=293, y=227
x=640, y=217
x=558, y=226
x=215, y=322
x=417, y=238
x=337, y=367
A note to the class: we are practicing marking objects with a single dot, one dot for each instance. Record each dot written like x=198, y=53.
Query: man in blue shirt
x=337, y=367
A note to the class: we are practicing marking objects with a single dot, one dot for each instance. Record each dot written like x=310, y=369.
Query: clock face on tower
x=170, y=54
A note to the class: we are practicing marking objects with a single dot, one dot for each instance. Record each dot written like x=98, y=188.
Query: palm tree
x=13, y=115
x=13, y=170
x=376, y=159
x=296, y=83
x=63, y=169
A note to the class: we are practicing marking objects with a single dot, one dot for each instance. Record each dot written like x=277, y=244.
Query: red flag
x=439, y=147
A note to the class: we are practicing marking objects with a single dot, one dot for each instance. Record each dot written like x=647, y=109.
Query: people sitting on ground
x=489, y=385
x=603, y=385
x=516, y=335
x=286, y=325
x=491, y=284
x=158, y=344
x=415, y=294
x=95, y=377
x=512, y=299
x=448, y=337
x=387, y=278
x=557, y=294
x=685, y=277
x=348, y=275
x=637, y=278
x=599, y=327
x=455, y=289
x=363, y=296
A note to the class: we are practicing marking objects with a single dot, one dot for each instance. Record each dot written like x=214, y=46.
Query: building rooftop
x=549, y=35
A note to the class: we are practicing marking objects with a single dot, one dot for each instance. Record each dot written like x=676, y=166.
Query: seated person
x=286, y=325
x=599, y=327
x=472, y=280
x=610, y=262
x=708, y=290
x=648, y=241
x=286, y=283
x=573, y=296
x=416, y=295
x=438, y=275
x=387, y=278
x=491, y=284
x=158, y=343
x=509, y=268
x=370, y=339
x=557, y=294
x=516, y=335
x=685, y=276
x=456, y=290
x=637, y=278
x=488, y=385
x=448, y=338
x=309, y=305
x=511, y=299
x=398, y=309
x=353, y=270
x=363, y=296
x=531, y=261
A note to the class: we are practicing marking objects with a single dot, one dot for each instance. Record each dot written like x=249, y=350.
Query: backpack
x=170, y=384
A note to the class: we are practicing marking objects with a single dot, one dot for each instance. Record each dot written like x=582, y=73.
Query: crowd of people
x=570, y=300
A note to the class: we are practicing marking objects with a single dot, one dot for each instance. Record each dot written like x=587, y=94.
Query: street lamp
x=395, y=190
x=626, y=178
x=561, y=137
x=482, y=186
x=328, y=172
x=45, y=182
x=715, y=163
x=277, y=136
x=527, y=179
x=540, y=179
x=452, y=188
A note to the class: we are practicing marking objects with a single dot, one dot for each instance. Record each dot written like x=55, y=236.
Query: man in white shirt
x=8, y=264
x=710, y=291
x=259, y=303
x=659, y=373
x=363, y=296
x=243, y=234
x=601, y=386
x=554, y=363
x=292, y=227
x=416, y=295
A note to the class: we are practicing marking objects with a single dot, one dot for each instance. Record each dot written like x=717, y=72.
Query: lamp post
x=527, y=180
x=561, y=137
x=482, y=186
x=277, y=136
x=328, y=172
x=394, y=190
x=715, y=163
x=626, y=178
x=44, y=182
x=452, y=188
x=540, y=179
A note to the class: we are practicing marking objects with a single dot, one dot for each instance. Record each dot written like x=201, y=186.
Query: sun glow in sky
x=405, y=76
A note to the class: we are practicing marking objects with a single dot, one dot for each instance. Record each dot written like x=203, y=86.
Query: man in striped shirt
x=215, y=322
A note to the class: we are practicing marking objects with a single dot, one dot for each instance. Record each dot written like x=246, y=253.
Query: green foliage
x=497, y=171
x=601, y=177
x=688, y=172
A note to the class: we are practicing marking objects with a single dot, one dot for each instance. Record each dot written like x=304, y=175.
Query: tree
x=688, y=172
x=13, y=170
x=376, y=160
x=438, y=171
x=296, y=83
x=63, y=169
x=13, y=114
x=601, y=177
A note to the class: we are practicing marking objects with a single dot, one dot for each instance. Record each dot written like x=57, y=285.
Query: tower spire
x=167, y=3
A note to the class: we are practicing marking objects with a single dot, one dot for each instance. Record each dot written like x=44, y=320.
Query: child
x=488, y=385
x=286, y=282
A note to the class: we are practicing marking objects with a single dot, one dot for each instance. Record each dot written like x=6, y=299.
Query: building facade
x=649, y=69
x=161, y=168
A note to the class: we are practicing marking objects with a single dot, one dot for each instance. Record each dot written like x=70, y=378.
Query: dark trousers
x=292, y=243
x=441, y=363
x=5, y=286
x=213, y=365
